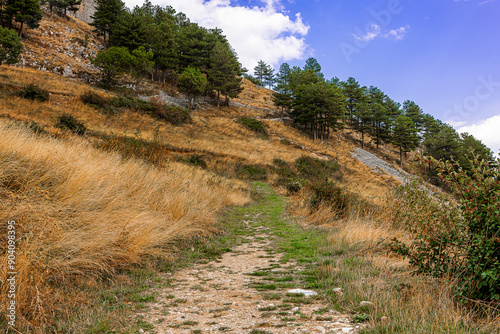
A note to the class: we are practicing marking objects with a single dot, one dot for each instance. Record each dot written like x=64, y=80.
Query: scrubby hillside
x=102, y=184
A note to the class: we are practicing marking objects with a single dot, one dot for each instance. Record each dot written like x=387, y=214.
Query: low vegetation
x=86, y=212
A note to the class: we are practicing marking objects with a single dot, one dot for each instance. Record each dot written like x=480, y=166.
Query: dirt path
x=245, y=291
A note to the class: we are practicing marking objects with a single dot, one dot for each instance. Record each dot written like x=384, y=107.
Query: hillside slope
x=141, y=194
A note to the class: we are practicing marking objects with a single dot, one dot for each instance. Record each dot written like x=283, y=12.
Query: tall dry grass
x=80, y=211
x=363, y=266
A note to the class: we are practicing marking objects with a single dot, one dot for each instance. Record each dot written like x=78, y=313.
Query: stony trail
x=244, y=291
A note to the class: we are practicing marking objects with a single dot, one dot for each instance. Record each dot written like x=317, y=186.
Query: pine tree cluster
x=317, y=105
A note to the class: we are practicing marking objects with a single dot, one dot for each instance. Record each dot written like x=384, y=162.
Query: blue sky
x=442, y=54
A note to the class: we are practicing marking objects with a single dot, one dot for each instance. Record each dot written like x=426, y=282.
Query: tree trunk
x=21, y=30
x=401, y=156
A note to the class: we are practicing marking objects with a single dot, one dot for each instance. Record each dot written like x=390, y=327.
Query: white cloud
x=376, y=31
x=397, y=34
x=370, y=35
x=486, y=131
x=260, y=32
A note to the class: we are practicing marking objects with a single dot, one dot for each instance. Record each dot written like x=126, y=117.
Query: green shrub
x=169, y=113
x=69, y=122
x=253, y=125
x=291, y=184
x=96, y=101
x=314, y=168
x=33, y=92
x=285, y=142
x=251, y=172
x=35, y=127
x=339, y=199
x=462, y=241
x=195, y=160
x=172, y=114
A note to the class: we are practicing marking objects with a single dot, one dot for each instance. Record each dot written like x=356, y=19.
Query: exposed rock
x=366, y=303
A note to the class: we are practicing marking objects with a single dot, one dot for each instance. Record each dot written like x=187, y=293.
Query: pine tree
x=269, y=77
x=105, y=16
x=192, y=83
x=10, y=46
x=224, y=71
x=283, y=95
x=354, y=96
x=405, y=135
x=25, y=12
x=260, y=71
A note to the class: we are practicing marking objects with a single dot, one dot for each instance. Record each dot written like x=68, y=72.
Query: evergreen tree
x=318, y=107
x=313, y=66
x=224, y=71
x=106, y=15
x=10, y=46
x=113, y=62
x=193, y=47
x=405, y=135
x=192, y=83
x=260, y=71
x=415, y=113
x=25, y=12
x=354, y=96
x=129, y=31
x=283, y=95
x=269, y=77
x=143, y=63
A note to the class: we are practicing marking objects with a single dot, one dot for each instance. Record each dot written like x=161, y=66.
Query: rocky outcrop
x=87, y=8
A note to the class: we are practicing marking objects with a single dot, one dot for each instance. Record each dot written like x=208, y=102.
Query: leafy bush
x=195, y=160
x=462, y=241
x=291, y=184
x=251, y=172
x=169, y=113
x=253, y=125
x=69, y=122
x=329, y=193
x=314, y=168
x=33, y=92
x=35, y=127
x=285, y=142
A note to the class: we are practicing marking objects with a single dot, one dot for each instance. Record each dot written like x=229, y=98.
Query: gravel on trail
x=223, y=296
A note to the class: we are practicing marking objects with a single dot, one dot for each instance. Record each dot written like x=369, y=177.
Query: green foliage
x=26, y=12
x=69, y=122
x=10, y=46
x=63, y=6
x=106, y=15
x=192, y=83
x=462, y=241
x=33, y=92
x=113, y=62
x=251, y=172
x=195, y=160
x=253, y=125
x=169, y=113
x=143, y=63
x=328, y=193
x=35, y=128
x=314, y=168
x=224, y=72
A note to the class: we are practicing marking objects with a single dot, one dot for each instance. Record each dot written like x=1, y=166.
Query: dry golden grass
x=84, y=212
x=53, y=46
